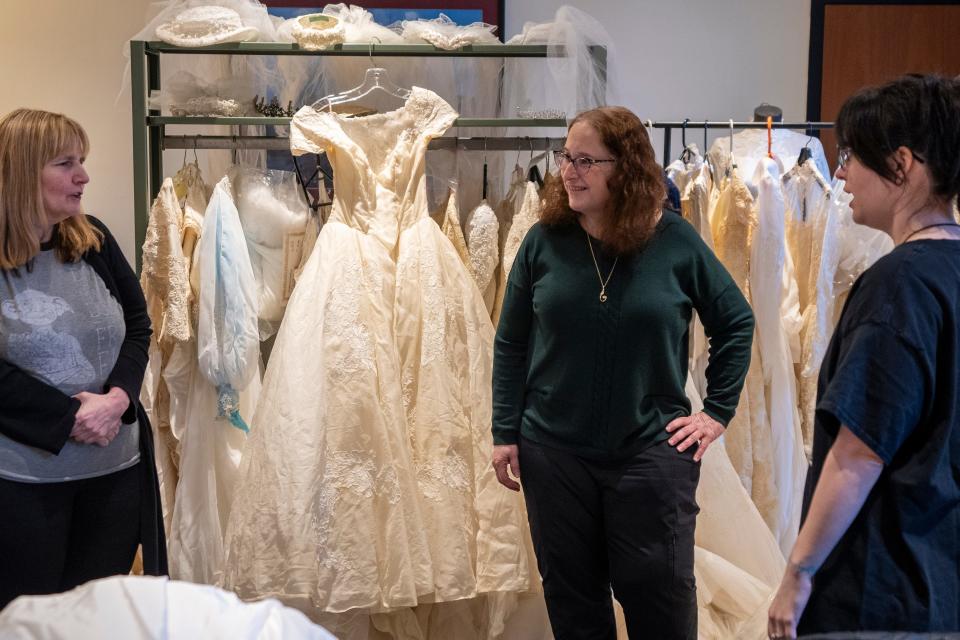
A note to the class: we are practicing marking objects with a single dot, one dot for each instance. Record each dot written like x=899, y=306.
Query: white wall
x=682, y=58
x=65, y=56
x=697, y=59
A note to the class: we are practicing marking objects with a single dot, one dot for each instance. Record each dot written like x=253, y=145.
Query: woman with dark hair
x=878, y=548
x=590, y=362
x=78, y=487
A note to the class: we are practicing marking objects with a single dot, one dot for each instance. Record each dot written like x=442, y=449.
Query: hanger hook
x=704, y=150
x=196, y=160
x=731, y=136
x=517, y=163
x=683, y=133
x=546, y=152
x=370, y=50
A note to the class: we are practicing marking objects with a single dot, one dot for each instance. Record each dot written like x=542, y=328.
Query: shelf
x=418, y=50
x=155, y=121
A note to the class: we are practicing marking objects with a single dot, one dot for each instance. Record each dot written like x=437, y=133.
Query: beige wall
x=686, y=58
x=65, y=56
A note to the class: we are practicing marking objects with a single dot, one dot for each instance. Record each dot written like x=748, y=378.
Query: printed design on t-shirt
x=55, y=356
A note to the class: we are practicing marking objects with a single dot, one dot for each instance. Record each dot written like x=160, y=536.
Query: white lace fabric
x=483, y=245
x=316, y=32
x=444, y=33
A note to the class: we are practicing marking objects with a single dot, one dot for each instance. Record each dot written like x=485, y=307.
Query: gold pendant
x=603, y=296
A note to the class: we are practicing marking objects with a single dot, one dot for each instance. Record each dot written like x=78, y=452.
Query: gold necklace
x=603, y=283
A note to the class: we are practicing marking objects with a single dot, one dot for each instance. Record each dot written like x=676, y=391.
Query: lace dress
x=166, y=288
x=483, y=245
x=366, y=479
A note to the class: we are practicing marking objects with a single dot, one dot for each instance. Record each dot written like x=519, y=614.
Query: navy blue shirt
x=892, y=376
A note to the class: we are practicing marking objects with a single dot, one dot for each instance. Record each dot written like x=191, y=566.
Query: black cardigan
x=39, y=415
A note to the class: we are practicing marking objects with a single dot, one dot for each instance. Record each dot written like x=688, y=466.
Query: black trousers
x=56, y=536
x=628, y=525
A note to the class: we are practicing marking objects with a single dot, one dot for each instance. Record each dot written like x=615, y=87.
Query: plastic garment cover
x=186, y=94
x=750, y=146
x=209, y=449
x=272, y=211
x=228, y=342
x=444, y=33
x=252, y=15
x=149, y=608
x=768, y=251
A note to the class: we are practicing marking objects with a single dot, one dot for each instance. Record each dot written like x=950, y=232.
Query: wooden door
x=862, y=44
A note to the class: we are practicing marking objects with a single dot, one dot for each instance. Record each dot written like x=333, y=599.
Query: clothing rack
x=149, y=126
x=274, y=143
x=668, y=128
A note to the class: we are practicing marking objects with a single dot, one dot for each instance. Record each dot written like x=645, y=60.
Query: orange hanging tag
x=770, y=136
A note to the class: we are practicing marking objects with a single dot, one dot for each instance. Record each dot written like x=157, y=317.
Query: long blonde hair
x=29, y=139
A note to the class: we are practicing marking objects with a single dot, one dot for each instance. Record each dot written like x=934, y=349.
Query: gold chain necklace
x=603, y=283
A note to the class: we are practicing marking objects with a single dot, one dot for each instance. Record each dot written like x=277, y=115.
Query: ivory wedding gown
x=366, y=482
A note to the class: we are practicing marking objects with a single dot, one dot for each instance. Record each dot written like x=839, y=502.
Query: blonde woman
x=78, y=490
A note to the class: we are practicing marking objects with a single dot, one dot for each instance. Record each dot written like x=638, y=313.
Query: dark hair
x=919, y=112
x=636, y=185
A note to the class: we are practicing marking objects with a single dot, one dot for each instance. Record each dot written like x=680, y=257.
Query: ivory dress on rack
x=747, y=436
x=366, y=481
x=815, y=255
x=210, y=446
x=770, y=278
x=525, y=217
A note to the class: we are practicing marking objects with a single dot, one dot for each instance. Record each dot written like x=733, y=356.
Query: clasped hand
x=98, y=419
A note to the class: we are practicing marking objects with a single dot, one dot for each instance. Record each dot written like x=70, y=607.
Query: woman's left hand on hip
x=699, y=429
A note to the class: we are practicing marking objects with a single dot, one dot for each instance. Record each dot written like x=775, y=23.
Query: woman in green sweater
x=590, y=362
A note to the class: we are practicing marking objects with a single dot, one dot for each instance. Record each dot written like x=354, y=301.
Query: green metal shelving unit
x=149, y=124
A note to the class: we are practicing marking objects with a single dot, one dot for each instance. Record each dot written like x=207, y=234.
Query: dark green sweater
x=602, y=380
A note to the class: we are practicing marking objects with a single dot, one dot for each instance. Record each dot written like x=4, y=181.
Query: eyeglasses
x=843, y=156
x=581, y=165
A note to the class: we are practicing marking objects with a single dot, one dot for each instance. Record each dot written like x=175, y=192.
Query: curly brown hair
x=636, y=185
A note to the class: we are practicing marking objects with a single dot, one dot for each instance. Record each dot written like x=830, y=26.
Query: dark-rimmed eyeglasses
x=581, y=165
x=844, y=154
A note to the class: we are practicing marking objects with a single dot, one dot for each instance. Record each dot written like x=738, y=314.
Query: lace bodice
x=378, y=159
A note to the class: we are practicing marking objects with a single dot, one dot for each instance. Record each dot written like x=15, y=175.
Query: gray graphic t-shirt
x=59, y=323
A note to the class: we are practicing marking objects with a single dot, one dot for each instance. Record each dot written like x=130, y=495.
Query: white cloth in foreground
x=148, y=608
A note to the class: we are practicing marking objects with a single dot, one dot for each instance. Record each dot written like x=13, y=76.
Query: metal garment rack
x=668, y=128
x=150, y=139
